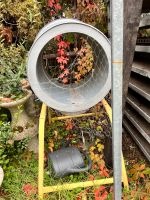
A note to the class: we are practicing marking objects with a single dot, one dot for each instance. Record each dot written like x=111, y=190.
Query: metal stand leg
x=124, y=173
x=41, y=151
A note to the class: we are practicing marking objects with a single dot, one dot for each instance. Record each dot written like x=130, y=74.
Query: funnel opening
x=74, y=95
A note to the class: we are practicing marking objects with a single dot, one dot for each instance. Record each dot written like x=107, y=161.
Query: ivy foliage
x=9, y=149
x=12, y=69
x=93, y=12
x=23, y=17
x=20, y=21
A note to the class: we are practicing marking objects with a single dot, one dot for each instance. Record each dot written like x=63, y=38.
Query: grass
x=21, y=179
x=23, y=174
x=26, y=172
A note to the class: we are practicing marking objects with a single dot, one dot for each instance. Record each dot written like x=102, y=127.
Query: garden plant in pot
x=19, y=23
x=12, y=95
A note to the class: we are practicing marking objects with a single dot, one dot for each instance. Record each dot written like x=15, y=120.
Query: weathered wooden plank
x=143, y=41
x=139, y=122
x=140, y=104
x=142, y=48
x=140, y=85
x=132, y=13
x=141, y=67
x=138, y=138
x=145, y=21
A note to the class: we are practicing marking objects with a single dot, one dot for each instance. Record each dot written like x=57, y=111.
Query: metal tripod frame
x=70, y=186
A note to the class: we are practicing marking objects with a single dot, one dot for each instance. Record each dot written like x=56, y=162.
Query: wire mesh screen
x=69, y=59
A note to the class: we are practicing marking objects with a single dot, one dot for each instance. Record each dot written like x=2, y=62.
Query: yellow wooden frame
x=69, y=186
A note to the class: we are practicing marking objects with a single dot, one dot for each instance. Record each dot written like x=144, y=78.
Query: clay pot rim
x=18, y=101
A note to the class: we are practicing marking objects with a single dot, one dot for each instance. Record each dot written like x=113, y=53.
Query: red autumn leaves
x=62, y=58
x=103, y=171
x=54, y=6
x=69, y=124
x=7, y=34
x=101, y=193
x=29, y=189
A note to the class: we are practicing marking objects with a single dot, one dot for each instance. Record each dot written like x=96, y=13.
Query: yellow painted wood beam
x=71, y=186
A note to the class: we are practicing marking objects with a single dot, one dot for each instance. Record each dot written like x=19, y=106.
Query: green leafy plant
x=19, y=23
x=55, y=135
x=93, y=12
x=22, y=18
x=139, y=171
x=12, y=71
x=24, y=186
x=70, y=57
x=10, y=150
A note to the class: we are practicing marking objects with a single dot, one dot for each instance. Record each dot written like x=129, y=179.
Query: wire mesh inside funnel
x=75, y=68
x=69, y=59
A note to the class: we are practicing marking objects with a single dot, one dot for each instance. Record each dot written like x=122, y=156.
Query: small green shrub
x=10, y=150
x=23, y=17
x=12, y=70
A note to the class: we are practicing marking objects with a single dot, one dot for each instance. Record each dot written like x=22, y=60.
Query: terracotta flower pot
x=25, y=125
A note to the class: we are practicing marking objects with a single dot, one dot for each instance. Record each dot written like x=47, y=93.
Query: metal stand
x=69, y=186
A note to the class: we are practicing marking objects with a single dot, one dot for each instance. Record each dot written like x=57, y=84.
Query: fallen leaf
x=29, y=189
x=7, y=34
x=65, y=80
x=91, y=177
x=69, y=124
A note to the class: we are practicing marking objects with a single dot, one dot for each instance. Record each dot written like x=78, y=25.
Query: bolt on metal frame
x=69, y=186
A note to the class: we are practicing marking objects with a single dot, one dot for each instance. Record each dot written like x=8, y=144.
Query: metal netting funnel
x=75, y=96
